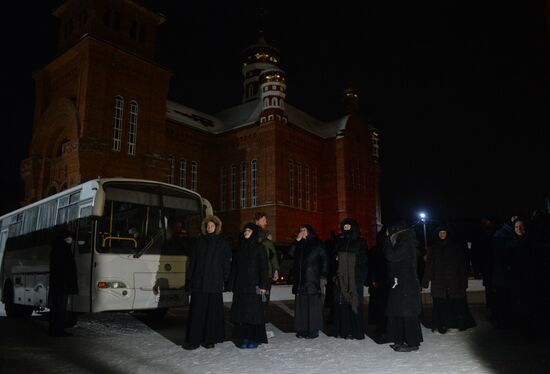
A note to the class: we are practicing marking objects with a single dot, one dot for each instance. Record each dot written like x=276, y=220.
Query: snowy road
x=121, y=343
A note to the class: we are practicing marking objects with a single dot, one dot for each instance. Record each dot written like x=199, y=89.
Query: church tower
x=101, y=103
x=257, y=58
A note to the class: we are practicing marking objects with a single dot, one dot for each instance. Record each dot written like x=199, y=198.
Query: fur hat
x=217, y=221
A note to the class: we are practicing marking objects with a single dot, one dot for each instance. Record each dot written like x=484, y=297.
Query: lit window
x=194, y=174
x=171, y=163
x=132, y=128
x=117, y=130
x=253, y=181
x=183, y=172
x=243, y=184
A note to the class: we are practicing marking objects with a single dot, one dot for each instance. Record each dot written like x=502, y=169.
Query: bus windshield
x=148, y=219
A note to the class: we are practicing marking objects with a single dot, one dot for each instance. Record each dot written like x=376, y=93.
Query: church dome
x=261, y=52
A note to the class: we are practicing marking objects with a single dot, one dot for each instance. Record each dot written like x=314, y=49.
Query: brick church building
x=102, y=110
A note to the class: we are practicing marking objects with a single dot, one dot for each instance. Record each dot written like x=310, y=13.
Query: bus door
x=3, y=238
x=83, y=258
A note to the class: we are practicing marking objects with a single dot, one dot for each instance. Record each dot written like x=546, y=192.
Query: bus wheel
x=13, y=310
x=159, y=313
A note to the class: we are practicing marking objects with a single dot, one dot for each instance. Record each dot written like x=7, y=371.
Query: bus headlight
x=111, y=284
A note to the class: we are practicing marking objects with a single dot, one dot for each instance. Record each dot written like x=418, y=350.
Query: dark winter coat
x=351, y=243
x=446, y=269
x=310, y=263
x=503, y=256
x=400, y=251
x=248, y=274
x=63, y=273
x=210, y=264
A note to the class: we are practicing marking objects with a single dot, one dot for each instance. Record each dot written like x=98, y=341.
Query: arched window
x=132, y=127
x=253, y=181
x=194, y=175
x=243, y=184
x=223, y=186
x=275, y=102
x=266, y=102
x=183, y=172
x=171, y=162
x=299, y=171
x=117, y=128
x=291, y=183
x=308, y=197
x=233, y=186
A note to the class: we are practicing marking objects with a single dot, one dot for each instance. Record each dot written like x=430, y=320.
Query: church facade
x=102, y=110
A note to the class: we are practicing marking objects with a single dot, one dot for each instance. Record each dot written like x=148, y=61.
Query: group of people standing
x=249, y=271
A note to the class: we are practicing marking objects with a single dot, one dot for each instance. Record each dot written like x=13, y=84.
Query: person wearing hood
x=249, y=283
x=209, y=268
x=404, y=304
x=503, y=241
x=446, y=270
x=63, y=280
x=310, y=263
x=350, y=278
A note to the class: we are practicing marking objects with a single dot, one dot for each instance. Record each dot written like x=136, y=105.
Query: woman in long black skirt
x=351, y=276
x=310, y=263
x=248, y=281
x=208, y=270
x=404, y=305
x=446, y=270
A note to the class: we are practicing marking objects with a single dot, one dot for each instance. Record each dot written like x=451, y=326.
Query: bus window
x=128, y=227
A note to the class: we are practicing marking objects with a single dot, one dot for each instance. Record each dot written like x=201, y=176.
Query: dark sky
x=459, y=90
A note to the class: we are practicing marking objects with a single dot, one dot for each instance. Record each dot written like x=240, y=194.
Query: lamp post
x=422, y=216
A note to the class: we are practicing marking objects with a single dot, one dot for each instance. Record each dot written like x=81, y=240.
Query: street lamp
x=422, y=216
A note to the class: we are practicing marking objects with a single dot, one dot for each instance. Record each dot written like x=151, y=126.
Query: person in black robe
x=446, y=270
x=378, y=284
x=249, y=283
x=310, y=263
x=351, y=276
x=63, y=281
x=404, y=304
x=208, y=270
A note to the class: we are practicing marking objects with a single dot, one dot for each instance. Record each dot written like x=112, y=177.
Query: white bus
x=126, y=251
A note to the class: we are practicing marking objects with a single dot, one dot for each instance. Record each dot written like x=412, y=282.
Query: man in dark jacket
x=310, y=263
x=63, y=281
x=404, y=295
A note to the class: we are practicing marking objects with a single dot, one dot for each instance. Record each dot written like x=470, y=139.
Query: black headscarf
x=353, y=232
x=310, y=232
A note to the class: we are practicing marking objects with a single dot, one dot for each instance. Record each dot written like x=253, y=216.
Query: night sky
x=459, y=90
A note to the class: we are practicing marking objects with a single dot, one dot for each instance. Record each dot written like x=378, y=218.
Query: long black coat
x=358, y=246
x=403, y=298
x=446, y=269
x=249, y=271
x=63, y=268
x=210, y=264
x=310, y=263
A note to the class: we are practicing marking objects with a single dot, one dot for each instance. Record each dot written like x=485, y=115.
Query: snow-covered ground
x=120, y=343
